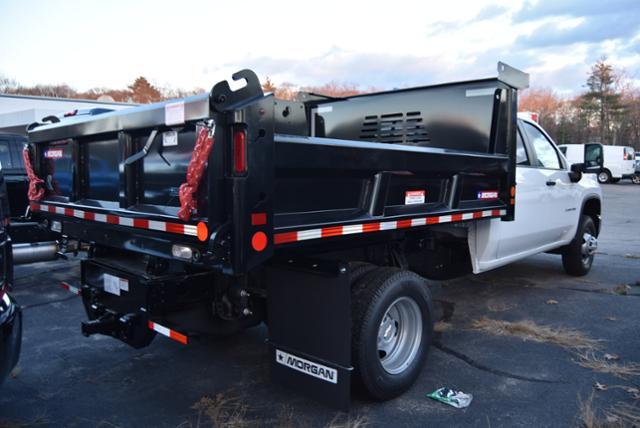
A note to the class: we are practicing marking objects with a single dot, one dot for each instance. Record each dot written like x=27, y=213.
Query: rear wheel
x=578, y=256
x=392, y=330
x=604, y=176
x=635, y=178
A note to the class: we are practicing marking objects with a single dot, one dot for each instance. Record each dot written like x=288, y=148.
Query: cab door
x=559, y=199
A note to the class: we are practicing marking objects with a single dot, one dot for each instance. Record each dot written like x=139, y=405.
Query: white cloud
x=376, y=43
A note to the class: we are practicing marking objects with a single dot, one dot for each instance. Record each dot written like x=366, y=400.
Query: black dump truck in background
x=210, y=214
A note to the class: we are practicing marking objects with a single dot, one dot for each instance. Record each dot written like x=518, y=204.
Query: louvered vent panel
x=395, y=128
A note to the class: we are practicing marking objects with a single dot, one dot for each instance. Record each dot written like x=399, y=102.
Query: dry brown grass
x=529, y=330
x=622, y=289
x=223, y=411
x=442, y=326
x=350, y=422
x=599, y=364
x=626, y=414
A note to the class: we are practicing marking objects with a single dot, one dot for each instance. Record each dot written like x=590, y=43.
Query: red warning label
x=414, y=197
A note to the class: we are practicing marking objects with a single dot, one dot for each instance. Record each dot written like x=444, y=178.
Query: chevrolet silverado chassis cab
x=320, y=217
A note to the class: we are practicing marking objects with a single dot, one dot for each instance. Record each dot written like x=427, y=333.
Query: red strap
x=188, y=189
x=36, y=184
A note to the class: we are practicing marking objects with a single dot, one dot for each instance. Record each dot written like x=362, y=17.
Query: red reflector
x=258, y=219
x=202, y=231
x=259, y=241
x=239, y=151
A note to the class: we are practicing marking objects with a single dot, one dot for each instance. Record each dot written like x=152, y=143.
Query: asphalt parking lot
x=65, y=379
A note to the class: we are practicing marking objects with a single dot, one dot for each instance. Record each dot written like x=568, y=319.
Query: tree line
x=607, y=111
x=141, y=91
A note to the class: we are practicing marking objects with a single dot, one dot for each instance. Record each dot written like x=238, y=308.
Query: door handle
x=551, y=183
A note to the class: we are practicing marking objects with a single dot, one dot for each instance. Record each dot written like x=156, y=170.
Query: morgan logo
x=53, y=154
x=307, y=367
x=488, y=194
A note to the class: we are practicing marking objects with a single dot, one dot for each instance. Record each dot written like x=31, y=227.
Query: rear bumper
x=10, y=335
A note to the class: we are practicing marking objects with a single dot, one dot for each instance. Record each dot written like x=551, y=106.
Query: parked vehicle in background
x=618, y=162
x=15, y=175
x=10, y=314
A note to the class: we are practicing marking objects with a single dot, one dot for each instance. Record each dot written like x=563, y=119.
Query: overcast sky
x=381, y=44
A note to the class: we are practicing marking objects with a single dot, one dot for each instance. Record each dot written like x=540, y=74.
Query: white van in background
x=618, y=162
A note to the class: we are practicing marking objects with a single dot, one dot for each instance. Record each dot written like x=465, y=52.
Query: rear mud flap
x=309, y=315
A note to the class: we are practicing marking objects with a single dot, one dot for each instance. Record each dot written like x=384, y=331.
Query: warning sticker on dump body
x=488, y=194
x=114, y=284
x=307, y=367
x=414, y=197
x=54, y=153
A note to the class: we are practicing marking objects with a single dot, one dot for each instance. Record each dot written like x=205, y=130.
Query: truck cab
x=550, y=204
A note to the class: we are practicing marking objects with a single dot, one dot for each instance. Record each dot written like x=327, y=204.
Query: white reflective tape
x=100, y=217
x=418, y=221
x=161, y=329
x=503, y=212
x=125, y=221
x=444, y=219
x=353, y=228
x=309, y=234
x=78, y=213
x=44, y=207
x=467, y=216
x=388, y=225
x=190, y=230
x=59, y=210
x=486, y=214
x=157, y=225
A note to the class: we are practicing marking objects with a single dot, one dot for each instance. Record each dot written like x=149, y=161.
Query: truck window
x=5, y=154
x=546, y=154
x=521, y=152
x=593, y=154
x=563, y=150
x=628, y=153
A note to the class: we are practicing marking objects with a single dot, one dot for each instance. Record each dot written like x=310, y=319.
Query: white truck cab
x=557, y=209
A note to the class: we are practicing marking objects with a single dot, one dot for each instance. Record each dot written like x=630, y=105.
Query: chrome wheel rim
x=399, y=335
x=589, y=247
x=602, y=177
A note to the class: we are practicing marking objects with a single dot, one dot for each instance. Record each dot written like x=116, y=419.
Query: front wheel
x=391, y=331
x=604, y=176
x=578, y=256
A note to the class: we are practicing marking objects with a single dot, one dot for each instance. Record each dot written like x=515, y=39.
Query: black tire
x=604, y=176
x=635, y=179
x=373, y=297
x=577, y=258
x=359, y=269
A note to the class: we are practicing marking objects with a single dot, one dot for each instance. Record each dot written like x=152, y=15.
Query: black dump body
x=319, y=172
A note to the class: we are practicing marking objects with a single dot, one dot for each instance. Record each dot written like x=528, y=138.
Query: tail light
x=239, y=151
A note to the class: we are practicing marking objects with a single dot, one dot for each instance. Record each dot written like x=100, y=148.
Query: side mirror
x=575, y=174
